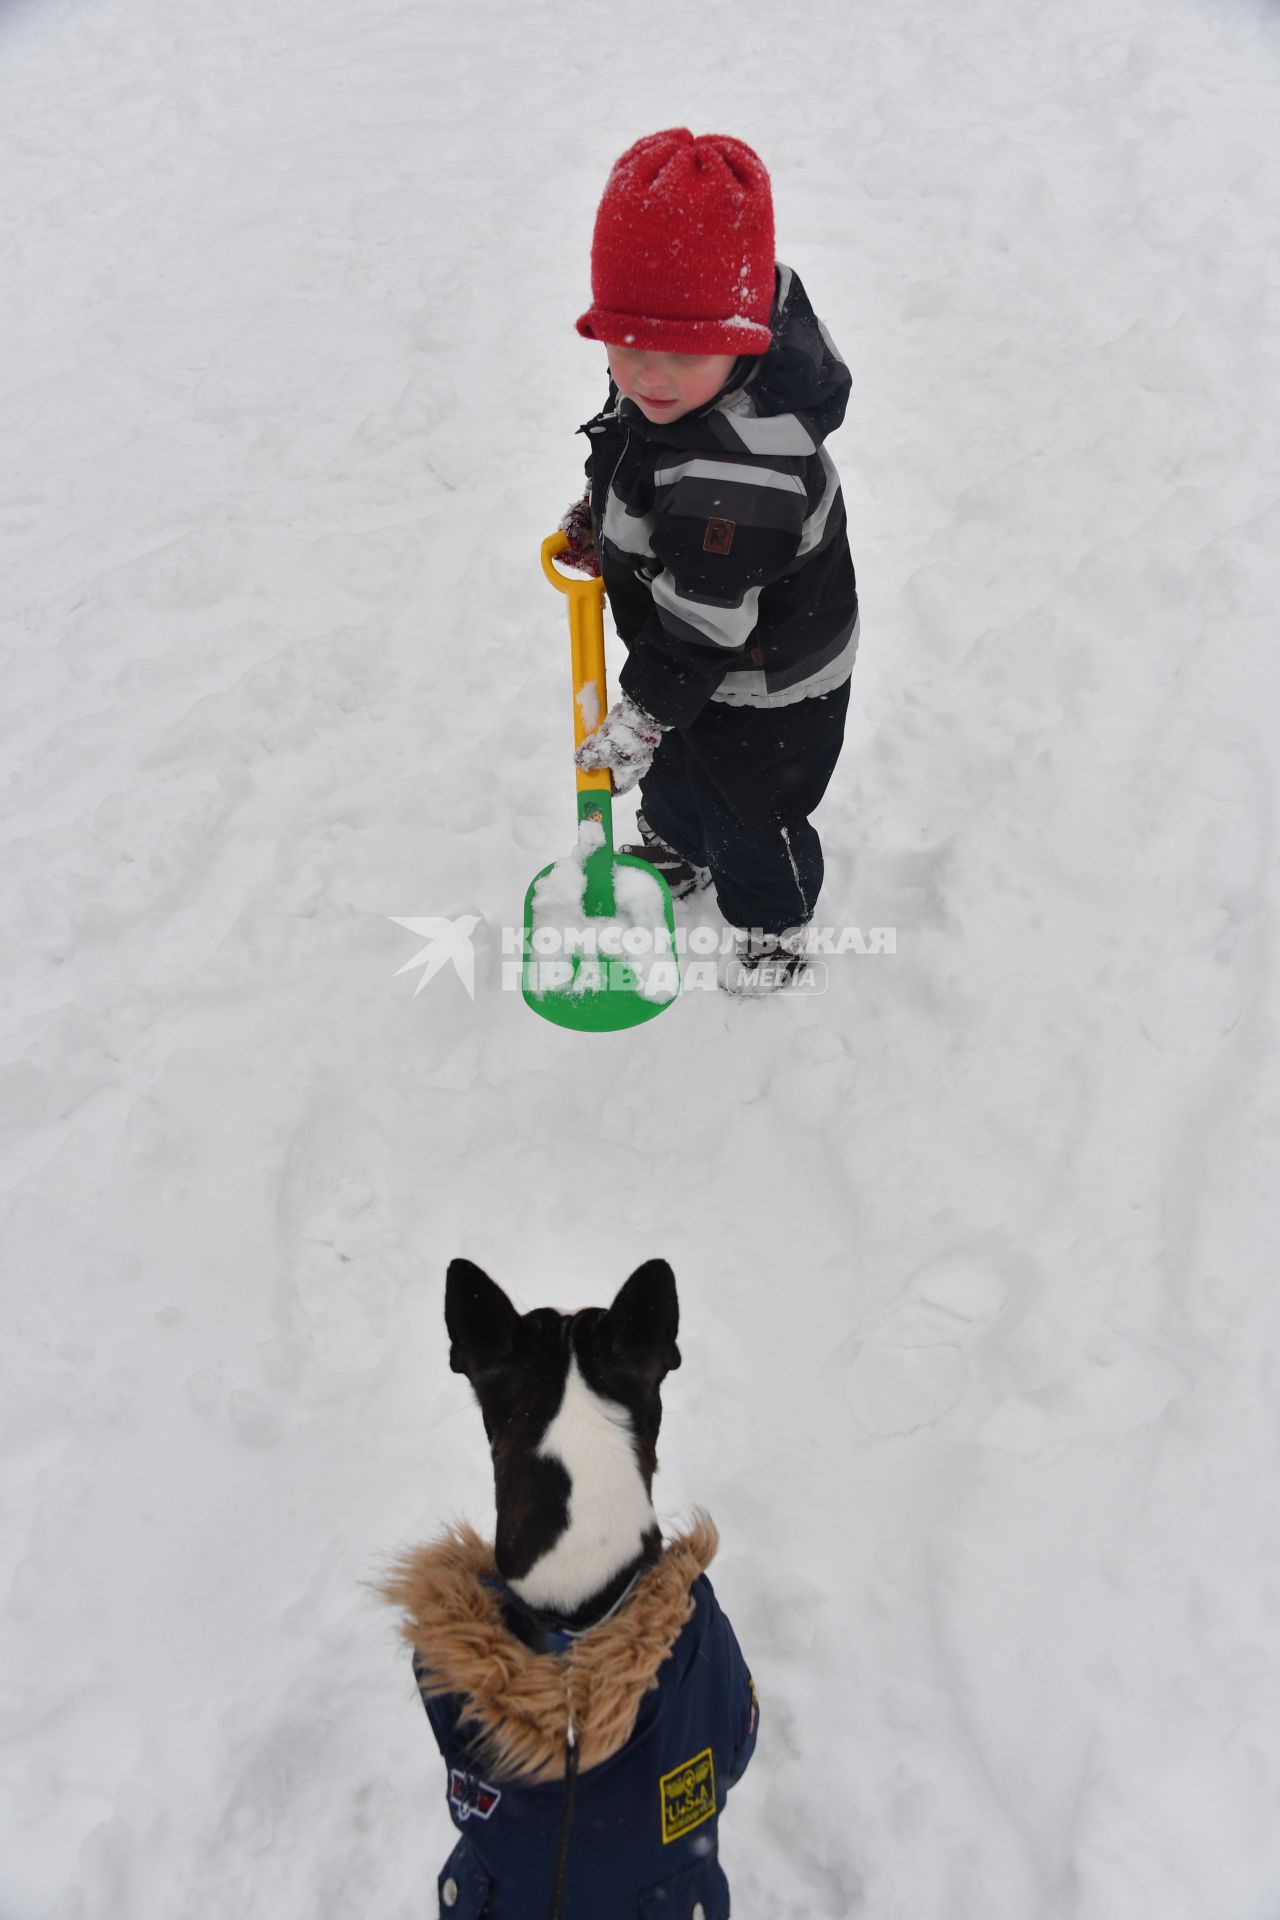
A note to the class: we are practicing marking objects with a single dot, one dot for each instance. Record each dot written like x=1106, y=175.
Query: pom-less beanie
x=682, y=256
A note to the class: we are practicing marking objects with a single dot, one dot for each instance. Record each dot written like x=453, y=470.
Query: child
x=715, y=514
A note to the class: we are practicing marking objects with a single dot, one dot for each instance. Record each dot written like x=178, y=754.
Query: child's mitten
x=581, y=550
x=624, y=742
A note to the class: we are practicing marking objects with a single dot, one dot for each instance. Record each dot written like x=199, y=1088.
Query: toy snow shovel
x=599, y=934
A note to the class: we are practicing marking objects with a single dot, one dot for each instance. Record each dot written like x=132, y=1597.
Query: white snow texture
x=977, y=1250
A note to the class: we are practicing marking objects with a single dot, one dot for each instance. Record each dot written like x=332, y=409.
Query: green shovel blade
x=596, y=994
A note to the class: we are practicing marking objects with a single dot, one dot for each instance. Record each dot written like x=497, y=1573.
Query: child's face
x=666, y=386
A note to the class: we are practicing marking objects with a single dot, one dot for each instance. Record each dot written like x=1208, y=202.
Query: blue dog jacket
x=665, y=1717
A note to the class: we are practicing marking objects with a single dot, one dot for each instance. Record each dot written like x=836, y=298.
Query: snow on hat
x=682, y=256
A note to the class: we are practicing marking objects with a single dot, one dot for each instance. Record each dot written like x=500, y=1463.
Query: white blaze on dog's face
x=610, y=1512
x=571, y=1404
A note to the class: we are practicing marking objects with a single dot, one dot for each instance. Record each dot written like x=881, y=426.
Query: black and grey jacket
x=722, y=536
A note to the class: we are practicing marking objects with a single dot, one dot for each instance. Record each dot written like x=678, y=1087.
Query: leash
x=566, y=1819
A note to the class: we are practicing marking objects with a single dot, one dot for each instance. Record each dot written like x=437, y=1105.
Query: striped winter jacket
x=722, y=535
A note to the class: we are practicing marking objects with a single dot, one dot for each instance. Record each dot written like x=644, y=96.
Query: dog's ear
x=481, y=1320
x=644, y=1319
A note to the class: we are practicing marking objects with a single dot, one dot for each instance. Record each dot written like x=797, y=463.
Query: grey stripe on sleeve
x=816, y=524
x=821, y=673
x=631, y=532
x=738, y=424
x=731, y=472
x=703, y=620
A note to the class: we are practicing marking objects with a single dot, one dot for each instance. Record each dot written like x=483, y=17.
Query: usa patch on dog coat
x=688, y=1796
x=470, y=1795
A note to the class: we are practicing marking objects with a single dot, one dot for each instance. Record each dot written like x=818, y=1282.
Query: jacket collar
x=544, y=1632
x=516, y=1701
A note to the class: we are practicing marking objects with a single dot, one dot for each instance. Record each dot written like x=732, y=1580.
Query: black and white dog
x=586, y=1691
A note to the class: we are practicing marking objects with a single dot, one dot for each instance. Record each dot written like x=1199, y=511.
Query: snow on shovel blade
x=595, y=967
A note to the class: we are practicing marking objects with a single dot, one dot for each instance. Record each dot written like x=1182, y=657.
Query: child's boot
x=681, y=876
x=764, y=962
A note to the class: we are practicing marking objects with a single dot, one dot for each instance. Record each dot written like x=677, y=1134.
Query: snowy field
x=978, y=1251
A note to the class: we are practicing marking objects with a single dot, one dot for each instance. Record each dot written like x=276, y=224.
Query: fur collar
x=518, y=1699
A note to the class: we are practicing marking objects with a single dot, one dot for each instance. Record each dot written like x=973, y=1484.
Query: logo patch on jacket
x=470, y=1795
x=688, y=1796
x=718, y=537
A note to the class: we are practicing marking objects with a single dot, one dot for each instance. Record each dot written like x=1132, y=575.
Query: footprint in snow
x=1120, y=1386
x=914, y=1366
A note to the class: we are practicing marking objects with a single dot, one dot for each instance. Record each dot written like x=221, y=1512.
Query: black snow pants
x=734, y=792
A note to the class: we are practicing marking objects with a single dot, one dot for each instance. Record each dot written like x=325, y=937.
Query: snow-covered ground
x=978, y=1251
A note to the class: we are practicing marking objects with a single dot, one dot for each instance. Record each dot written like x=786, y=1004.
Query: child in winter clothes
x=714, y=512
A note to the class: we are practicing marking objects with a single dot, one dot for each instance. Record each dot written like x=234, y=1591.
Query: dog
x=587, y=1693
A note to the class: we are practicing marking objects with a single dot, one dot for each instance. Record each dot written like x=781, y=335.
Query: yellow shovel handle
x=586, y=636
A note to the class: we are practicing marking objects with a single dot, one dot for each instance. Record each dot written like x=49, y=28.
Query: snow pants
x=734, y=792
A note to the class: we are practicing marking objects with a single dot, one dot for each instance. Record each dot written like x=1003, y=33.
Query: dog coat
x=664, y=1714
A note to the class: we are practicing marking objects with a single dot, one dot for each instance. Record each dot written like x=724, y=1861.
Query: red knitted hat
x=682, y=257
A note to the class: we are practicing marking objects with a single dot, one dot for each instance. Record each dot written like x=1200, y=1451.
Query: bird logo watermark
x=448, y=944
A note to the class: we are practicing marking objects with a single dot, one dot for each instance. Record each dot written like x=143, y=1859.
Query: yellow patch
x=688, y=1796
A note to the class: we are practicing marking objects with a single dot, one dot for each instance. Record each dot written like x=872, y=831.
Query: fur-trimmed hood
x=449, y=1595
